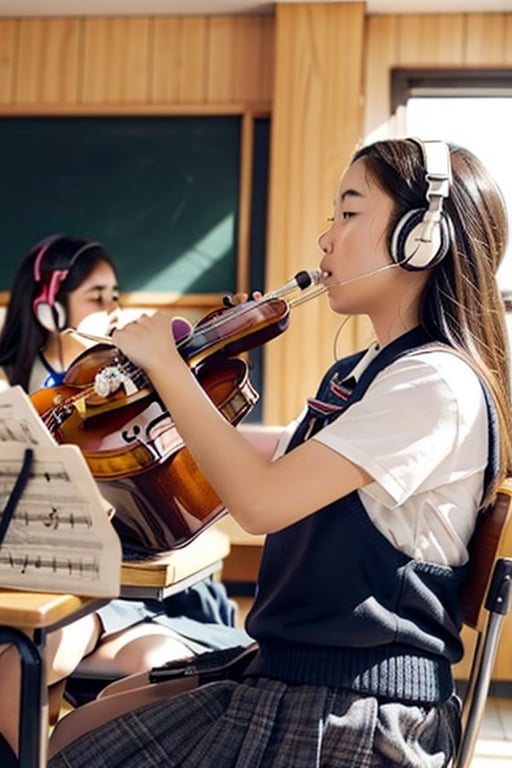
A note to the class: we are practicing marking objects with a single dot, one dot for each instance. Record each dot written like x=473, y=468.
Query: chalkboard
x=161, y=193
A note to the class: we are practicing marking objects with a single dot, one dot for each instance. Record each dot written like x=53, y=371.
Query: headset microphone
x=302, y=280
x=311, y=279
x=361, y=277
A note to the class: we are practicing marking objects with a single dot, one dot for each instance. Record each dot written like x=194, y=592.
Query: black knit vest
x=336, y=603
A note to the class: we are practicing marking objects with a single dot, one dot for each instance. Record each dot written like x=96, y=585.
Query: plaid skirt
x=263, y=723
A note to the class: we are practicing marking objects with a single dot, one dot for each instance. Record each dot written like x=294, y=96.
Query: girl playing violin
x=371, y=499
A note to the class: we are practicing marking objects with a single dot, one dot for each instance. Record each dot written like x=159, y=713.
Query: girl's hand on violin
x=148, y=341
x=241, y=298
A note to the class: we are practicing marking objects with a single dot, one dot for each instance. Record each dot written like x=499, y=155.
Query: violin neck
x=236, y=330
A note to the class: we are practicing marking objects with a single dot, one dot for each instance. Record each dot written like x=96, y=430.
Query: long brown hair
x=461, y=304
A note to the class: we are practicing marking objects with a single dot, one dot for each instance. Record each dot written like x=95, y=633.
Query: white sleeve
x=422, y=423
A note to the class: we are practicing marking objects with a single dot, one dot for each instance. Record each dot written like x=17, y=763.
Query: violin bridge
x=129, y=387
x=81, y=406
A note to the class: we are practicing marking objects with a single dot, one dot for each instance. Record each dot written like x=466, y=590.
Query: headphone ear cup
x=52, y=317
x=411, y=249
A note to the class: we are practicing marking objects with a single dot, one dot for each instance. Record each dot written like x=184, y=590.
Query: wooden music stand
x=173, y=571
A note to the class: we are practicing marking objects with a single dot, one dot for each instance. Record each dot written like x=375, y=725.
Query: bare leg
x=137, y=649
x=130, y=651
x=100, y=711
x=65, y=649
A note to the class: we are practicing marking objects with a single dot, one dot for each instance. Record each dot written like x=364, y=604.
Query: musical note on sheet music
x=60, y=538
x=74, y=567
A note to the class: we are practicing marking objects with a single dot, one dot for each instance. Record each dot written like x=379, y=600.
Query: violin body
x=135, y=453
x=108, y=407
x=164, y=508
x=123, y=434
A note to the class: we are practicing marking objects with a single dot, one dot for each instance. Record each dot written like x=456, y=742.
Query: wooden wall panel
x=60, y=74
x=266, y=59
x=238, y=59
x=47, y=62
x=507, y=53
x=129, y=61
x=96, y=62
x=30, y=61
x=431, y=38
x=316, y=122
x=251, y=58
x=485, y=39
x=381, y=53
x=117, y=61
x=8, y=50
x=179, y=60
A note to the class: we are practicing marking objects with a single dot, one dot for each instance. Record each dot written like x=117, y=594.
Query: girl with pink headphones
x=61, y=283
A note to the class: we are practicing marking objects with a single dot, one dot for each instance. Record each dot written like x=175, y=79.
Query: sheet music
x=60, y=538
x=19, y=420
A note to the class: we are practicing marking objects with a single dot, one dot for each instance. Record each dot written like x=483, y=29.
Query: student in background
x=370, y=507
x=61, y=283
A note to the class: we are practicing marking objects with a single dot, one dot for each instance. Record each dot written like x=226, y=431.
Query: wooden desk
x=25, y=620
x=171, y=572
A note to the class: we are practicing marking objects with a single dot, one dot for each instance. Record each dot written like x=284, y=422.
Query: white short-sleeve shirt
x=421, y=432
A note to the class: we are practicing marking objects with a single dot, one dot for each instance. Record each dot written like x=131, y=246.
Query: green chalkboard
x=161, y=193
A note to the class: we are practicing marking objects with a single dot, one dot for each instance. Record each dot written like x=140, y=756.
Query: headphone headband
x=422, y=237
x=40, y=254
x=47, y=310
x=438, y=167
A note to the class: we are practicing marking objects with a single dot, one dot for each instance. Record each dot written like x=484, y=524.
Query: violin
x=108, y=407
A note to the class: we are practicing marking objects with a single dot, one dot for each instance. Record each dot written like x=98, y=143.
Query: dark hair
x=22, y=335
x=461, y=303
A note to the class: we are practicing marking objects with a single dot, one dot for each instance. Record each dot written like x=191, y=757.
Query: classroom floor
x=494, y=747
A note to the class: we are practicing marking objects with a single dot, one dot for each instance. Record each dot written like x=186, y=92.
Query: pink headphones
x=48, y=311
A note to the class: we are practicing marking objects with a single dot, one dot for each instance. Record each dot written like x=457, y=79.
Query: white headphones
x=422, y=237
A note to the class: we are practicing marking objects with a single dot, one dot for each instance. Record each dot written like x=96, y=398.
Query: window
x=470, y=108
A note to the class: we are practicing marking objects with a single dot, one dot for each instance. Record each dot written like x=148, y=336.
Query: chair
x=486, y=602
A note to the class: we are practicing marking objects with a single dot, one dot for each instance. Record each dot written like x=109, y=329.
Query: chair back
x=486, y=600
x=492, y=539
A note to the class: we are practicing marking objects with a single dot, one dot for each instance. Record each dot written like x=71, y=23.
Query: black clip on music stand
x=30, y=692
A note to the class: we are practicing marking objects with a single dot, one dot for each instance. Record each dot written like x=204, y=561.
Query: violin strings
x=241, y=309
x=89, y=336
x=309, y=294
